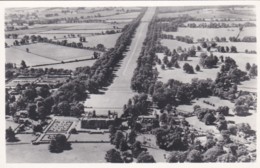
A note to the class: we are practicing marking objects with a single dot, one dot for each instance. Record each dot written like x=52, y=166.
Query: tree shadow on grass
x=245, y=114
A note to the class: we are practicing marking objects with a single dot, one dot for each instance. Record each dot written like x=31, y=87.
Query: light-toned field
x=240, y=58
x=37, y=29
x=123, y=16
x=89, y=137
x=209, y=33
x=108, y=40
x=241, y=46
x=87, y=26
x=13, y=55
x=250, y=85
x=220, y=22
x=56, y=53
x=212, y=13
x=71, y=65
x=174, y=44
x=80, y=153
x=67, y=28
x=68, y=31
x=10, y=41
x=119, y=21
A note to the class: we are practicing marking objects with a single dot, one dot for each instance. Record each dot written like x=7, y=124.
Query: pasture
x=56, y=53
x=209, y=33
x=70, y=65
x=80, y=153
x=108, y=40
x=13, y=55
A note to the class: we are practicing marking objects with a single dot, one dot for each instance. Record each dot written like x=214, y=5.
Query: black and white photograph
x=130, y=83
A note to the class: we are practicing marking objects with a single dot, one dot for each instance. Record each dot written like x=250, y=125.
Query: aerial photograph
x=154, y=84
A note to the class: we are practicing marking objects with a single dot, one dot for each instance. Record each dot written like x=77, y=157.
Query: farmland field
x=70, y=65
x=108, y=40
x=91, y=26
x=57, y=52
x=81, y=153
x=209, y=33
x=212, y=13
x=123, y=16
x=78, y=31
x=43, y=53
x=230, y=23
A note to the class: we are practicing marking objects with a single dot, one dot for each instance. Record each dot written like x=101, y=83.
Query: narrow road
x=118, y=93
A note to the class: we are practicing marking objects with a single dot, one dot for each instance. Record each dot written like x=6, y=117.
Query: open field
x=241, y=46
x=80, y=153
x=230, y=23
x=89, y=26
x=211, y=13
x=123, y=16
x=13, y=55
x=209, y=33
x=67, y=31
x=71, y=65
x=119, y=21
x=37, y=29
x=49, y=53
x=174, y=44
x=108, y=40
x=89, y=137
x=68, y=28
x=120, y=88
x=250, y=85
x=240, y=58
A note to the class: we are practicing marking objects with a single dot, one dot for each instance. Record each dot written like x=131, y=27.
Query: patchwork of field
x=59, y=30
x=211, y=14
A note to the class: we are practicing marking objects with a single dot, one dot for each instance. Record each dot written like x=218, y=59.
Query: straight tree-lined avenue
x=118, y=93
